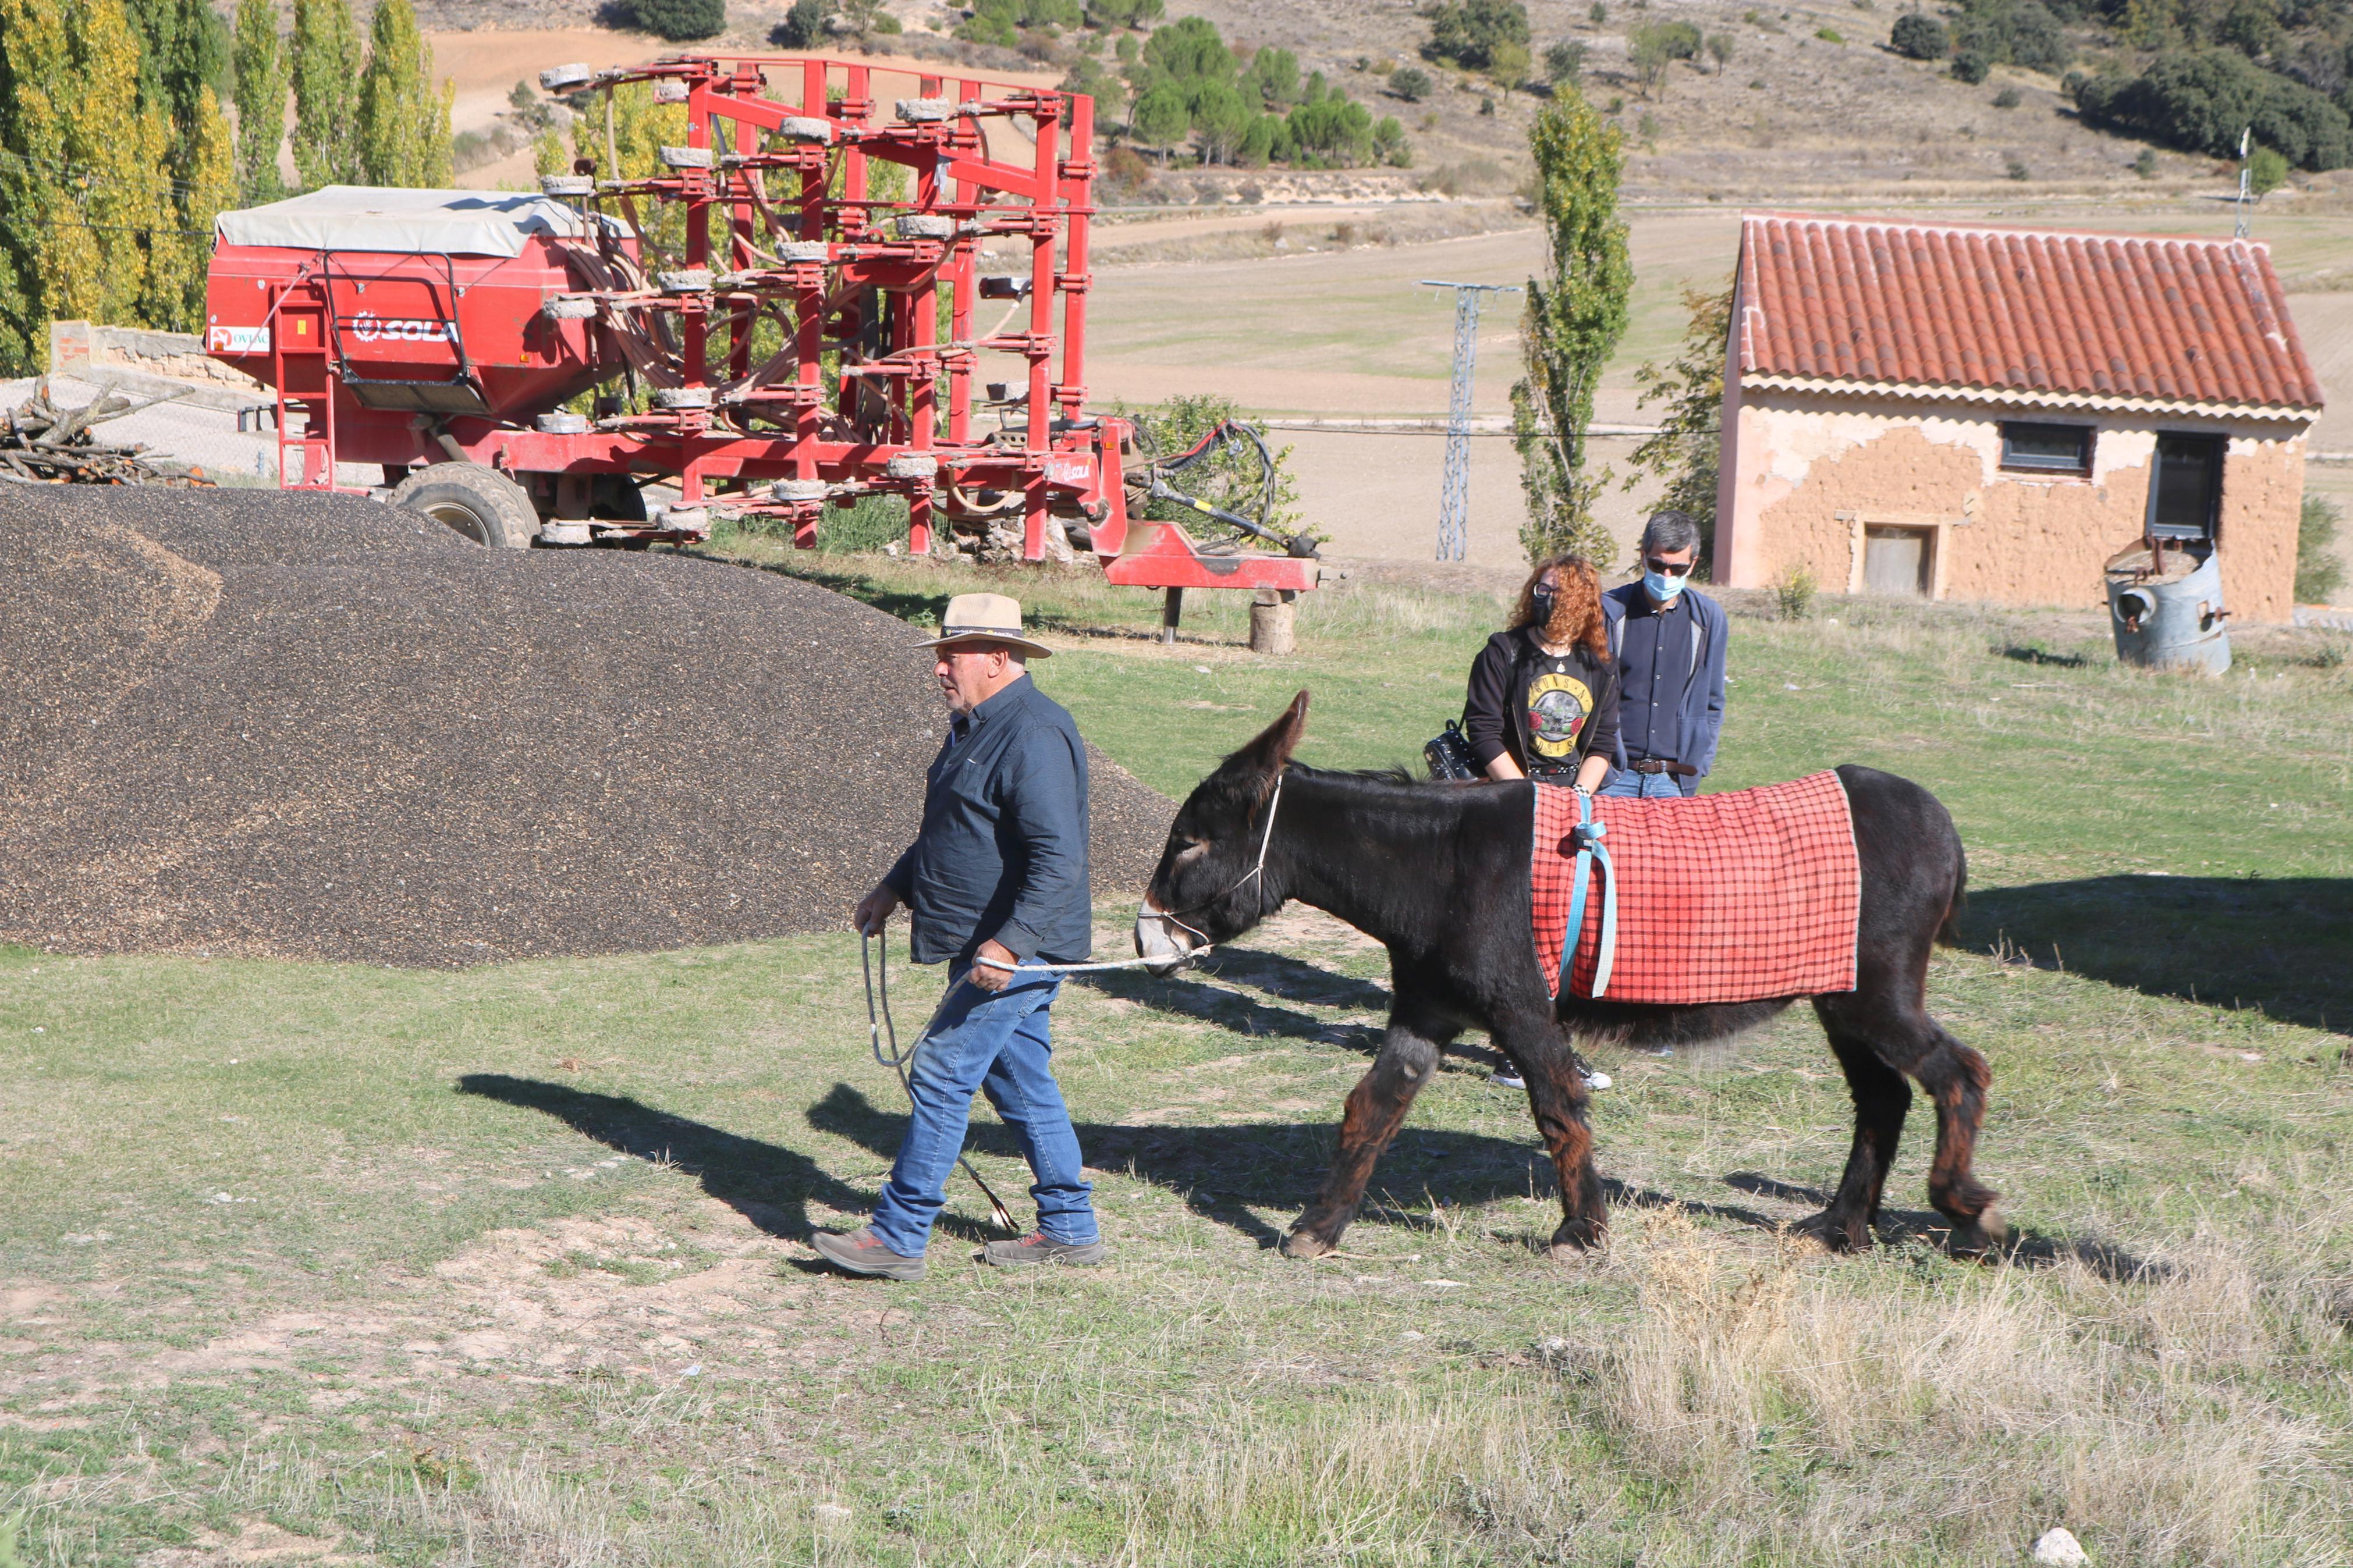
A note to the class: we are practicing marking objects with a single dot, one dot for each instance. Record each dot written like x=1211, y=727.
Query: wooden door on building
x=1899, y=561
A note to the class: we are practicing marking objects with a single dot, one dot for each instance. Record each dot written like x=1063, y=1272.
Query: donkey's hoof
x=1834, y=1234
x=1574, y=1239
x=1982, y=1237
x=1305, y=1244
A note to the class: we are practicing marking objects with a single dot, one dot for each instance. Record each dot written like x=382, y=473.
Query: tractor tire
x=473, y=499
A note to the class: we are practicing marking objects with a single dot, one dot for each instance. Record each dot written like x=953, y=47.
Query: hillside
x=1812, y=103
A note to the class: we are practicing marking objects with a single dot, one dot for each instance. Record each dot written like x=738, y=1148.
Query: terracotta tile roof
x=2026, y=313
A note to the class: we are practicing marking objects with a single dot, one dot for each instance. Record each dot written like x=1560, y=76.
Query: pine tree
x=325, y=70
x=34, y=71
x=404, y=138
x=1573, y=318
x=260, y=102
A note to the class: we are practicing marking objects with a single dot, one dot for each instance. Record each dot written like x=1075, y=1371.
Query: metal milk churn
x=2165, y=608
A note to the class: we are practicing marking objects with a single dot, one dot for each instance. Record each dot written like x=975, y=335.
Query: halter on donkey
x=1440, y=874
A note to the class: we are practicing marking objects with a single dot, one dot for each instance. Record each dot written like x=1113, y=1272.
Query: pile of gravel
x=243, y=723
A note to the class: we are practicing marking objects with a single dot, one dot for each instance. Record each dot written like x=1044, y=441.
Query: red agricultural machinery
x=767, y=321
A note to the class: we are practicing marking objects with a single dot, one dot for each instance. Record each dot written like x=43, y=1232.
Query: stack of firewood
x=43, y=444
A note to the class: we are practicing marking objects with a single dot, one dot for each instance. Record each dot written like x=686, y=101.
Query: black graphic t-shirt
x=1559, y=703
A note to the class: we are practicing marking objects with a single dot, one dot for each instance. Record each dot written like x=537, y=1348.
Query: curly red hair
x=1575, y=606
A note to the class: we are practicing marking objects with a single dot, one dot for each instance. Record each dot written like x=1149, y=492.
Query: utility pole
x=1454, y=499
x=2239, y=229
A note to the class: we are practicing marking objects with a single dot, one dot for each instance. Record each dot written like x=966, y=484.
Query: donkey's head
x=1211, y=886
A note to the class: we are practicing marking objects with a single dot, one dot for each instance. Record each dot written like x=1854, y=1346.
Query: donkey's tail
x=1948, y=933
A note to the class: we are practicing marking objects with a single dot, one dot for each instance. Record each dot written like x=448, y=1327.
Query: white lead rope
x=1257, y=873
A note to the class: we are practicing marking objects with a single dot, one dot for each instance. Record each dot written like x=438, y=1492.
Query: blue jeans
x=1632, y=785
x=997, y=1043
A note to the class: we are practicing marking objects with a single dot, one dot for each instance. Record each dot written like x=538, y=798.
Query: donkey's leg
x=1882, y=1098
x=1904, y=1037
x=1376, y=1105
x=1557, y=1094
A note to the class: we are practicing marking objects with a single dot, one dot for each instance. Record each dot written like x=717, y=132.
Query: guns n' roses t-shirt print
x=1558, y=705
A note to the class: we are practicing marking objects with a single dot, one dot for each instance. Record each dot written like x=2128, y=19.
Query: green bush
x=1830, y=34
x=1680, y=40
x=1971, y=67
x=1411, y=83
x=802, y=27
x=1565, y=62
x=2008, y=97
x=2199, y=100
x=2318, y=571
x=677, y=20
x=1468, y=34
x=2021, y=33
x=1920, y=37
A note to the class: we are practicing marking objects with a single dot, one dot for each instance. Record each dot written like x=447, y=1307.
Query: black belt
x=1654, y=766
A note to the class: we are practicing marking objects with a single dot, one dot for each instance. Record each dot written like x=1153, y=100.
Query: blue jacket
x=1003, y=850
x=1703, y=705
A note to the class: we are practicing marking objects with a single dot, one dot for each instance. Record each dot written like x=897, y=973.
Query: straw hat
x=986, y=618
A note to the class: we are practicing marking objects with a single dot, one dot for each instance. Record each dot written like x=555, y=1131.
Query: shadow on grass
x=1229, y=1009
x=2026, y=1248
x=767, y=1185
x=2284, y=947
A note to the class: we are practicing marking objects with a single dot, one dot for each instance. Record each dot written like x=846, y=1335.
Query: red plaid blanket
x=1721, y=898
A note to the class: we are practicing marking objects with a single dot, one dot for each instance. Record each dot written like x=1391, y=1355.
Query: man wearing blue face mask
x=1668, y=638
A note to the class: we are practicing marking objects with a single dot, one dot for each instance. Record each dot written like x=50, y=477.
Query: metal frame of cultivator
x=879, y=313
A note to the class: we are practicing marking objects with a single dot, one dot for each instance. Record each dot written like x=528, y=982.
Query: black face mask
x=1540, y=606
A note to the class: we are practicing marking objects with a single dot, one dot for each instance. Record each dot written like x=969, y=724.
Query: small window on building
x=2064, y=449
x=2186, y=492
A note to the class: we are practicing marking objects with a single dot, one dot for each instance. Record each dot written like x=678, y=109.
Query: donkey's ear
x=1271, y=752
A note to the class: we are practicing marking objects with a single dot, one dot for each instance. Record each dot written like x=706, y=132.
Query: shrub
x=1599, y=14
x=681, y=19
x=2008, y=97
x=802, y=27
x=2199, y=100
x=2021, y=33
x=1971, y=67
x=1920, y=37
x=1680, y=40
x=1411, y=83
x=2266, y=172
x=2014, y=167
x=1830, y=34
x=1564, y=62
x=2145, y=165
x=1469, y=33
x=1793, y=594
x=2318, y=572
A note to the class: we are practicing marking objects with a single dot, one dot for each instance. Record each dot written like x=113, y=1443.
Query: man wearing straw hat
x=998, y=877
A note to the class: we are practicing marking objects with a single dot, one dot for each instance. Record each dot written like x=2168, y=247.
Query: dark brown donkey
x=1438, y=874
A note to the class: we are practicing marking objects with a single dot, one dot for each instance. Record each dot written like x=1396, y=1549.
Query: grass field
x=507, y=1267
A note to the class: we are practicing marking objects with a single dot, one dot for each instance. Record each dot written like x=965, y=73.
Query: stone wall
x=76, y=347
x=1804, y=476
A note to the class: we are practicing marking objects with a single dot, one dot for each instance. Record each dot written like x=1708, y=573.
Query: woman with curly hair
x=1542, y=698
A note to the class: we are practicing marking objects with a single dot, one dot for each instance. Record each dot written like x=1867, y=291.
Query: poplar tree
x=404, y=138
x=207, y=184
x=260, y=102
x=114, y=155
x=325, y=72
x=1570, y=326
x=33, y=72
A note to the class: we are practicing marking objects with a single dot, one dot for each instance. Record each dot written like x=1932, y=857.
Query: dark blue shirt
x=1657, y=662
x=1003, y=850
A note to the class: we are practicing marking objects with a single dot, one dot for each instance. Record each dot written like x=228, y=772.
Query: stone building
x=1962, y=412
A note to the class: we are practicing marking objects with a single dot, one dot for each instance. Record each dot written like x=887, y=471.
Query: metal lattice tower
x=1454, y=500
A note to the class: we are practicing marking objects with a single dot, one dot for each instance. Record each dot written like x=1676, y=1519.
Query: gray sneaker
x=1039, y=1247
x=859, y=1253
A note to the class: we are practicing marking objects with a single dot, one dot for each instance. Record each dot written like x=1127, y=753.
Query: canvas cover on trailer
x=404, y=222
